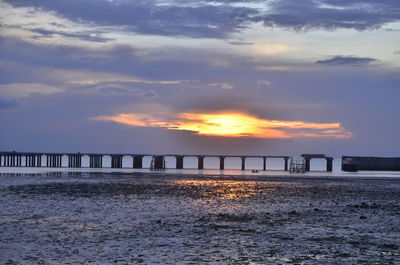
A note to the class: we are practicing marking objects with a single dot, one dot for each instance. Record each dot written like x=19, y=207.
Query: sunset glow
x=231, y=124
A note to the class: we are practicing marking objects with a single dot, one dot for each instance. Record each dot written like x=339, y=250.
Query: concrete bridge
x=55, y=160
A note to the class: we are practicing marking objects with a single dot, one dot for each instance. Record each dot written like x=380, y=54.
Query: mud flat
x=125, y=219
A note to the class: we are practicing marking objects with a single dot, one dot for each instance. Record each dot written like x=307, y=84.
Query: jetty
x=74, y=160
x=355, y=163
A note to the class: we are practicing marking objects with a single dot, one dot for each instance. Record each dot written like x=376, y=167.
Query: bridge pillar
x=17, y=160
x=307, y=159
x=96, y=161
x=200, y=162
x=53, y=160
x=264, y=163
x=222, y=162
x=38, y=160
x=75, y=160
x=158, y=163
x=329, y=164
x=12, y=160
x=286, y=162
x=33, y=160
x=243, y=162
x=137, y=161
x=179, y=162
x=116, y=161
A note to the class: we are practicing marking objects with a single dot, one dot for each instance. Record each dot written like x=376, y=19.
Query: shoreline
x=218, y=175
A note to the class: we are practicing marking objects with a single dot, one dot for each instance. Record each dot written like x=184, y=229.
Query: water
x=108, y=218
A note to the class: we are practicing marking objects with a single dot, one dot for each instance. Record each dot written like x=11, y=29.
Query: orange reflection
x=226, y=189
x=231, y=124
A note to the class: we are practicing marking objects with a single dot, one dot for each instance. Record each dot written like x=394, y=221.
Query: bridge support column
x=179, y=162
x=243, y=162
x=264, y=163
x=222, y=162
x=96, y=161
x=200, y=162
x=17, y=160
x=75, y=160
x=137, y=161
x=28, y=159
x=10, y=160
x=286, y=163
x=53, y=160
x=33, y=160
x=329, y=164
x=158, y=163
x=116, y=161
x=307, y=159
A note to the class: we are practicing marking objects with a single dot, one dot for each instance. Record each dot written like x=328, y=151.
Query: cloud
x=346, y=60
x=271, y=49
x=276, y=68
x=192, y=19
x=331, y=14
x=21, y=90
x=88, y=78
x=223, y=86
x=86, y=36
x=40, y=26
x=121, y=89
x=240, y=43
x=230, y=124
x=7, y=103
x=264, y=82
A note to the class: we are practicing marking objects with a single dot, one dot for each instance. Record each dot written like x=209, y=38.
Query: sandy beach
x=73, y=218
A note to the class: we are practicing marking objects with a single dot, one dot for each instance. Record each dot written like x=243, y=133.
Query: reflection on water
x=227, y=189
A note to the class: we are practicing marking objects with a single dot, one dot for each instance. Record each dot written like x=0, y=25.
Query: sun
x=231, y=124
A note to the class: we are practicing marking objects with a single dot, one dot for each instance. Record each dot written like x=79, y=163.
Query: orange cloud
x=231, y=124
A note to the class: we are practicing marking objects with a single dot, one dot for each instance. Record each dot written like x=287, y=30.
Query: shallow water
x=78, y=218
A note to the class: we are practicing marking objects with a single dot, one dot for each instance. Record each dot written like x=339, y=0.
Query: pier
x=355, y=163
x=74, y=160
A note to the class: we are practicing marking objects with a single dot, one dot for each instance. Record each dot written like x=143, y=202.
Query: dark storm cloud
x=332, y=14
x=346, y=60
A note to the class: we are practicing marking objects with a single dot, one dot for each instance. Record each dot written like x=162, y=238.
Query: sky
x=274, y=77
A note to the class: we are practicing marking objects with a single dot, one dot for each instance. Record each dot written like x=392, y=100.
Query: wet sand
x=177, y=219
